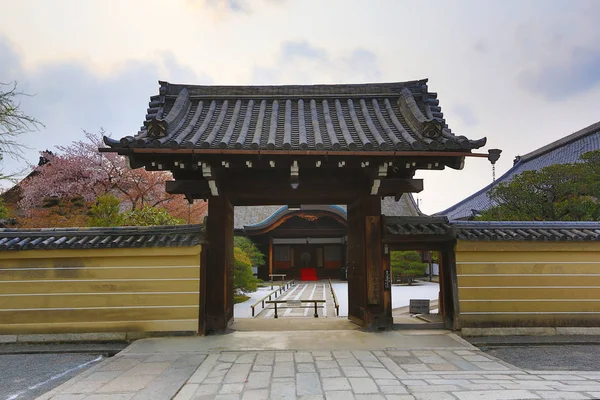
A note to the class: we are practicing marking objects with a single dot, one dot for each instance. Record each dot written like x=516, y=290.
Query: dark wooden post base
x=219, y=268
x=366, y=267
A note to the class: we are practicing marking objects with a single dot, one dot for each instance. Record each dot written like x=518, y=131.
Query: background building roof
x=402, y=116
x=252, y=215
x=563, y=151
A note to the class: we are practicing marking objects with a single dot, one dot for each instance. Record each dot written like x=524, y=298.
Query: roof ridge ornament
x=157, y=127
x=428, y=127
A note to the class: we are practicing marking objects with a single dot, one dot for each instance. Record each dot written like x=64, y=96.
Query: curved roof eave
x=285, y=211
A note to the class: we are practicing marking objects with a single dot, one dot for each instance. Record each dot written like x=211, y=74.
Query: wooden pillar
x=366, y=267
x=453, y=287
x=357, y=289
x=219, y=265
x=270, y=255
x=442, y=283
x=449, y=288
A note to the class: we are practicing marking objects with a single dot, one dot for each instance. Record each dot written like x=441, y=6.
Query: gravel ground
x=401, y=294
x=27, y=376
x=542, y=358
x=243, y=310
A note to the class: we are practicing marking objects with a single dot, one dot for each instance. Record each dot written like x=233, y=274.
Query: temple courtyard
x=401, y=296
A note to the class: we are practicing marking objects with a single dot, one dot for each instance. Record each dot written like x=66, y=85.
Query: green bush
x=106, y=211
x=407, y=264
x=249, y=248
x=243, y=279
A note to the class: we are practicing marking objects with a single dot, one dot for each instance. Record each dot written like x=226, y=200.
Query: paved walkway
x=302, y=291
x=318, y=365
x=401, y=295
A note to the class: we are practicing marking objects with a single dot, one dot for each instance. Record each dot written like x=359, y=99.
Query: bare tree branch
x=13, y=123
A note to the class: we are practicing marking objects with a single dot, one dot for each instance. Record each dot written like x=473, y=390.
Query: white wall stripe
x=90, y=268
x=528, y=287
x=107, y=322
x=537, y=275
x=529, y=300
x=94, y=308
x=527, y=312
x=91, y=294
x=101, y=280
x=525, y=262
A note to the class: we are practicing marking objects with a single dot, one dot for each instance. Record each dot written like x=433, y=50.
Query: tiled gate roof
x=401, y=116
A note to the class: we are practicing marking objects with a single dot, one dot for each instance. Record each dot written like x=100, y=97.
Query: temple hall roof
x=400, y=116
x=563, y=151
x=252, y=215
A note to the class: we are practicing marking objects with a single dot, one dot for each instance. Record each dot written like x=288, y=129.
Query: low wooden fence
x=335, y=302
x=272, y=294
x=298, y=304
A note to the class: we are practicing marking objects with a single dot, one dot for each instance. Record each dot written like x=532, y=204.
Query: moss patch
x=239, y=298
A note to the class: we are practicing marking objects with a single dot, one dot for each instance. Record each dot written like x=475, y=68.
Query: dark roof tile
x=493, y=231
x=99, y=238
x=537, y=231
x=362, y=117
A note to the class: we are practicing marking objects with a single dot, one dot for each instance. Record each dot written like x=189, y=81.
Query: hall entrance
x=302, y=242
x=309, y=261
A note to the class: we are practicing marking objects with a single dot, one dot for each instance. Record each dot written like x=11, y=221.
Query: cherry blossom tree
x=80, y=170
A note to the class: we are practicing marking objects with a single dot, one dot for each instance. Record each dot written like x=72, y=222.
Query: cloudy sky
x=521, y=73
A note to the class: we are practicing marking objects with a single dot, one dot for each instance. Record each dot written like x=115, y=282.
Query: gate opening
x=415, y=289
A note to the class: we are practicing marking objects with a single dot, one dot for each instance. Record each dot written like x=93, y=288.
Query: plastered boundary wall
x=99, y=290
x=505, y=284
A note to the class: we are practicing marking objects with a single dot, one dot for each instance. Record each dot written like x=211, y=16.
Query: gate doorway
x=415, y=289
x=426, y=235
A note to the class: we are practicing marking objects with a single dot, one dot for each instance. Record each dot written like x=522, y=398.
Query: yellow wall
x=528, y=283
x=99, y=290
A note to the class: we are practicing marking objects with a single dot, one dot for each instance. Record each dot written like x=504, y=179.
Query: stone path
x=345, y=375
x=312, y=375
x=303, y=291
x=312, y=365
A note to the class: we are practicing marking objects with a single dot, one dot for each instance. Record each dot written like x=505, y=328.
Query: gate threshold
x=293, y=324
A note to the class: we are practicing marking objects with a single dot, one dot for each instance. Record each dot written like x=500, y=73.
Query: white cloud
x=95, y=63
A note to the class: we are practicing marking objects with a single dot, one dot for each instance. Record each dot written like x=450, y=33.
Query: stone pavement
x=319, y=290
x=318, y=365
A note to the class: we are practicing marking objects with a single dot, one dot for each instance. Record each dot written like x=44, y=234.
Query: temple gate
x=296, y=145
